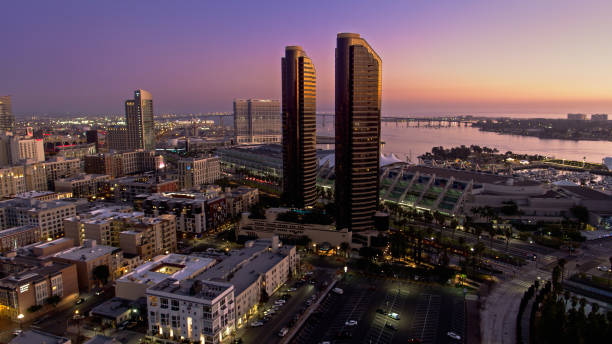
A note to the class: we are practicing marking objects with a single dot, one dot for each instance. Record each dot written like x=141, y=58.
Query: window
x=163, y=317
x=163, y=303
x=57, y=286
x=175, y=321
x=175, y=305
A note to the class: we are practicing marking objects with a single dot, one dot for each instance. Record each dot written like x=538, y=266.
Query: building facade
x=257, y=121
x=30, y=281
x=83, y=185
x=299, y=128
x=195, y=172
x=59, y=167
x=47, y=215
x=13, y=238
x=357, y=152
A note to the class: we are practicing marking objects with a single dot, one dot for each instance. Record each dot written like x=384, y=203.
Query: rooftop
x=198, y=290
x=82, y=176
x=178, y=267
x=112, y=308
x=103, y=215
x=100, y=339
x=33, y=204
x=32, y=270
x=35, y=336
x=586, y=193
x=14, y=230
x=90, y=250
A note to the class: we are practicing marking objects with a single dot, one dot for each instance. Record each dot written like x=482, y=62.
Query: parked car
x=391, y=327
x=350, y=323
x=283, y=332
x=338, y=291
x=256, y=324
x=603, y=268
x=17, y=332
x=393, y=315
x=453, y=335
x=291, y=290
x=80, y=300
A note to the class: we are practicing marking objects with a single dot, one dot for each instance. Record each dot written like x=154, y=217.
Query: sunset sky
x=457, y=56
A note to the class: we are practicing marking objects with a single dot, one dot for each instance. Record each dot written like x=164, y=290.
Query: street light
x=20, y=317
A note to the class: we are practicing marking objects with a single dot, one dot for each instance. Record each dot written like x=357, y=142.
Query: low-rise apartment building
x=59, y=167
x=133, y=285
x=127, y=188
x=88, y=257
x=13, y=238
x=196, y=172
x=196, y=310
x=148, y=237
x=47, y=215
x=83, y=185
x=25, y=290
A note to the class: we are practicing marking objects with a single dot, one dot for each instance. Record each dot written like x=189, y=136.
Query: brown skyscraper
x=299, y=128
x=358, y=92
x=139, y=120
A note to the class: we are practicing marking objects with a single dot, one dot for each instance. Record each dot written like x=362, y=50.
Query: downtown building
x=47, y=215
x=196, y=172
x=7, y=120
x=208, y=306
x=257, y=121
x=139, y=119
x=83, y=185
x=119, y=164
x=299, y=128
x=17, y=149
x=59, y=167
x=28, y=282
x=357, y=125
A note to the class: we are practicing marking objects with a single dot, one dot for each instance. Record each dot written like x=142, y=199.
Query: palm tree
x=562, y=263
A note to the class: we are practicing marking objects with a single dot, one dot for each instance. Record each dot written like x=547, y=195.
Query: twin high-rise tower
x=357, y=152
x=299, y=113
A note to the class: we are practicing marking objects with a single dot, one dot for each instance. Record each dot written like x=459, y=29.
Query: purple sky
x=454, y=56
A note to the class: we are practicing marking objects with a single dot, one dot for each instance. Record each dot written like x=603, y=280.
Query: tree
x=53, y=300
x=264, y=295
x=345, y=247
x=101, y=274
x=581, y=213
x=562, y=263
x=454, y=223
x=439, y=217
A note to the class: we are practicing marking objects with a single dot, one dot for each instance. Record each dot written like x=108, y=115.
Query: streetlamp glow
x=20, y=316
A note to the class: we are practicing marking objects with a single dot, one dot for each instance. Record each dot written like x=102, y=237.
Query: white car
x=279, y=302
x=453, y=335
x=603, y=268
x=338, y=291
x=283, y=332
x=256, y=324
x=351, y=323
x=291, y=290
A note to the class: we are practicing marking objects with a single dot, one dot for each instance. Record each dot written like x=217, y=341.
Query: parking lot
x=265, y=326
x=373, y=311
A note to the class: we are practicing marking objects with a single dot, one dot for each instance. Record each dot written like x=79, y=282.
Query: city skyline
x=473, y=57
